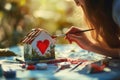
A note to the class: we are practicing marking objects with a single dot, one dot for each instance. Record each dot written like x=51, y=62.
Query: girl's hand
x=80, y=38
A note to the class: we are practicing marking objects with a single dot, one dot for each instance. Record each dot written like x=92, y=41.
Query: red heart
x=42, y=45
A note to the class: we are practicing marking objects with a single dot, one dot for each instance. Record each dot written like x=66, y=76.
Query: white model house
x=38, y=45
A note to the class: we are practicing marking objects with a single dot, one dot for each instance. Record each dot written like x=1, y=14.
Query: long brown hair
x=98, y=15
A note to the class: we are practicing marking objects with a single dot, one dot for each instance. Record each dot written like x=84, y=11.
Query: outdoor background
x=18, y=17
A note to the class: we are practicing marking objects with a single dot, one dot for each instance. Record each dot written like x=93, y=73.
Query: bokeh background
x=18, y=17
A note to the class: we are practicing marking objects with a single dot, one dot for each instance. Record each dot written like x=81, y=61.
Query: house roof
x=31, y=35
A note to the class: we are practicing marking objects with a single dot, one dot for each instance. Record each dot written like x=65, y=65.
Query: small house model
x=38, y=45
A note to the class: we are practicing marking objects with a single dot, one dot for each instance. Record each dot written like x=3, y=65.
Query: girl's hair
x=98, y=15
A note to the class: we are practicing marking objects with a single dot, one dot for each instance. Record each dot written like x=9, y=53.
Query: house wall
x=42, y=36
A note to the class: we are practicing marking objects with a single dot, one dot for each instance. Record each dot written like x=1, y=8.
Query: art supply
x=76, y=66
x=23, y=65
x=94, y=68
x=41, y=66
x=63, y=35
x=58, y=60
x=7, y=53
x=31, y=67
x=83, y=31
x=10, y=74
x=21, y=61
x=63, y=65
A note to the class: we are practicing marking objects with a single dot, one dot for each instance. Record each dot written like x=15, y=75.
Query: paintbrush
x=63, y=35
x=76, y=66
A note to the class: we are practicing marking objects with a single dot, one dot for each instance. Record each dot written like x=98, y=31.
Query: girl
x=103, y=17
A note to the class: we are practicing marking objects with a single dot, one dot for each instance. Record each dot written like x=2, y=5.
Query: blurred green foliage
x=18, y=17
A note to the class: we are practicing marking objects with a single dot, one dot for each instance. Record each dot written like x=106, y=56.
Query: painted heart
x=43, y=45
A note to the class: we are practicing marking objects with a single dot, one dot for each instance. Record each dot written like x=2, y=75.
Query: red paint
x=97, y=68
x=43, y=45
x=31, y=67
